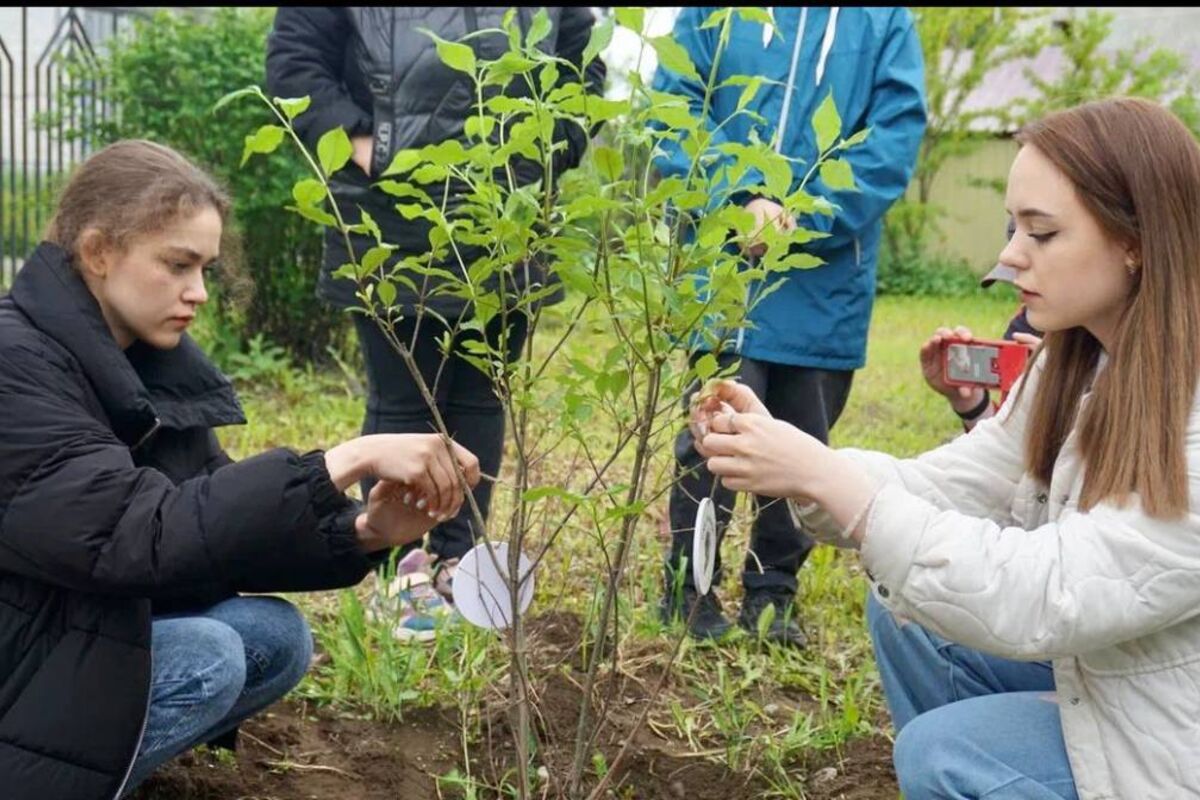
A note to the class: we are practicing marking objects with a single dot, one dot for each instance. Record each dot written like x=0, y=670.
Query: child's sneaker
x=409, y=601
x=443, y=579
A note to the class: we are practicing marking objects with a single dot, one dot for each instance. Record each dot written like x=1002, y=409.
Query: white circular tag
x=481, y=586
x=704, y=546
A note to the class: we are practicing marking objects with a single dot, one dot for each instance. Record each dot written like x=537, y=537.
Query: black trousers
x=810, y=399
x=465, y=398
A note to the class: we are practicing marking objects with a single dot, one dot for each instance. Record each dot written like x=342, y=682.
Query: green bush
x=27, y=208
x=165, y=77
x=924, y=275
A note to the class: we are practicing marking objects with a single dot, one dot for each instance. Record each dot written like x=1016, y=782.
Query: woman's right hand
x=962, y=398
x=720, y=397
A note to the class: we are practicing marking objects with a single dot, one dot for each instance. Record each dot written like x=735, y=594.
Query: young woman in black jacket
x=126, y=533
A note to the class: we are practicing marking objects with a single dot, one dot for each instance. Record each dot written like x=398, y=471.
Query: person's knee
x=285, y=645
x=928, y=759
x=216, y=660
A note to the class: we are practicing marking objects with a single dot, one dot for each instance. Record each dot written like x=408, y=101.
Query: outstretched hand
x=752, y=452
x=717, y=398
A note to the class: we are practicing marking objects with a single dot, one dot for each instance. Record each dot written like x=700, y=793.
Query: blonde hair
x=1136, y=168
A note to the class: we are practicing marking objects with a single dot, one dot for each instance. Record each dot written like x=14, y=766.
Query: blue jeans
x=968, y=725
x=214, y=669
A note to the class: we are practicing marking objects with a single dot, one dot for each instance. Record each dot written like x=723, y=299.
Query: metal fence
x=48, y=93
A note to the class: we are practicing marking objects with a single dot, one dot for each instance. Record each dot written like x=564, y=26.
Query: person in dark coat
x=126, y=533
x=374, y=72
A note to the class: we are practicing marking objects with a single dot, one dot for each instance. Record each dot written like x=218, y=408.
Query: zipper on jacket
x=137, y=747
x=791, y=81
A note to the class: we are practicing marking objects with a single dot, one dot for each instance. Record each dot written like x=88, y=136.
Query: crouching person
x=126, y=534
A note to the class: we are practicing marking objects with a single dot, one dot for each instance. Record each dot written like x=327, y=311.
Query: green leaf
x=315, y=214
x=748, y=93
x=539, y=29
x=672, y=56
x=445, y=153
x=837, y=175
x=542, y=492
x=309, y=192
x=706, y=366
x=756, y=14
x=293, y=107
x=827, y=123
x=334, y=150
x=398, y=189
x=264, y=140
x=632, y=18
x=765, y=618
x=609, y=162
x=235, y=94
x=857, y=138
x=477, y=127
x=601, y=37
x=374, y=258
x=403, y=161
x=800, y=261
x=716, y=18
x=387, y=293
x=456, y=55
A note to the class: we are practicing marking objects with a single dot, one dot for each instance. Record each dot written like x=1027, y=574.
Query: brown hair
x=131, y=187
x=1136, y=168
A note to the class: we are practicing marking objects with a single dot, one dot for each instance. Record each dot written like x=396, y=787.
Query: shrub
x=914, y=273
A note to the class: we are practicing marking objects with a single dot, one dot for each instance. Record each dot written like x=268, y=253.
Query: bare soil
x=298, y=751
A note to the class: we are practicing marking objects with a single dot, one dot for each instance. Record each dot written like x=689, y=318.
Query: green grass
x=760, y=710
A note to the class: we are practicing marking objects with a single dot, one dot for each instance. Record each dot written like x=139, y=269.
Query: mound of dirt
x=296, y=751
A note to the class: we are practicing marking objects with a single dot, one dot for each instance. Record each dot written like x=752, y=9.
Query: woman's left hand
x=751, y=452
x=395, y=515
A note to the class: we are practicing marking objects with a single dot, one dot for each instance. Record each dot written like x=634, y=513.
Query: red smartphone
x=990, y=363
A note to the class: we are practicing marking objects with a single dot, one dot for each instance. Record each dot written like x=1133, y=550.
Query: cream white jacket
x=963, y=541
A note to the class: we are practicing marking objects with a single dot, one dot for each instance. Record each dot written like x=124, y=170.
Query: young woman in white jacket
x=1036, y=583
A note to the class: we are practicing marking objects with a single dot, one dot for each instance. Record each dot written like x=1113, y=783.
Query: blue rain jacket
x=871, y=59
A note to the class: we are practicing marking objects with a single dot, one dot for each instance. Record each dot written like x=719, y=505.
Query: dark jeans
x=464, y=395
x=810, y=399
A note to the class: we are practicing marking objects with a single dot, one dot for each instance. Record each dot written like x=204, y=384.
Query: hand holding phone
x=990, y=363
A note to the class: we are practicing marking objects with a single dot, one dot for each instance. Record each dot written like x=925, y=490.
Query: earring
x=1132, y=267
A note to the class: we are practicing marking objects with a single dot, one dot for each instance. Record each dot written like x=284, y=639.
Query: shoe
x=443, y=578
x=408, y=602
x=784, y=628
x=708, y=622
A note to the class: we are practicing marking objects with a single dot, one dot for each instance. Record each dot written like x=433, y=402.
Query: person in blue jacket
x=806, y=338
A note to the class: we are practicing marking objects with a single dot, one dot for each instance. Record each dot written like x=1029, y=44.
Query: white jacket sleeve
x=1081, y=583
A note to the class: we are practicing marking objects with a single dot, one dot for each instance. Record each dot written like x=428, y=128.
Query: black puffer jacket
x=372, y=71
x=115, y=495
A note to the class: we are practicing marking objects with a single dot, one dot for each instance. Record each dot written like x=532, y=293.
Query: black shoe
x=784, y=628
x=708, y=621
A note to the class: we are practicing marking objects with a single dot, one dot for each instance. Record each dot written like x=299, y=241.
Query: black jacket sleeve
x=575, y=29
x=306, y=55
x=81, y=515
